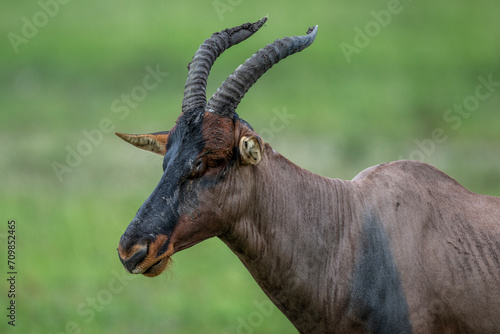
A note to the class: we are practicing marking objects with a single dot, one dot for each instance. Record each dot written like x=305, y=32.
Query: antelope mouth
x=157, y=268
x=152, y=266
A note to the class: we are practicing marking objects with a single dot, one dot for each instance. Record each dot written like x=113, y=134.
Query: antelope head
x=209, y=157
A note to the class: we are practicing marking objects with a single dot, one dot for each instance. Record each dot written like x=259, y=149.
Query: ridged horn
x=204, y=58
x=229, y=94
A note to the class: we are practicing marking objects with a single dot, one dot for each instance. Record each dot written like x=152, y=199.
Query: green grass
x=392, y=95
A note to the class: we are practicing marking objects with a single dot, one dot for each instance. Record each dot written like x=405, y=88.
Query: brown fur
x=218, y=135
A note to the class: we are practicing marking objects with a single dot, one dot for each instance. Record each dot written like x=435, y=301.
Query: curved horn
x=204, y=58
x=229, y=94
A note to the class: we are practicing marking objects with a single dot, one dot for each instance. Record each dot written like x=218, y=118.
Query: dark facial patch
x=160, y=212
x=378, y=303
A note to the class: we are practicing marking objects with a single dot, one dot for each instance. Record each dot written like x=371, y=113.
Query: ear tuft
x=153, y=142
x=250, y=150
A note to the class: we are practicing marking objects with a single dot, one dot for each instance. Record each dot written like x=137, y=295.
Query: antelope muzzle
x=148, y=256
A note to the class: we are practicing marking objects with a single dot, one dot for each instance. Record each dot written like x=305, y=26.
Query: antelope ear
x=153, y=142
x=250, y=150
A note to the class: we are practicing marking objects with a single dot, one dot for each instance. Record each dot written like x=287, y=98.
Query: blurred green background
x=64, y=64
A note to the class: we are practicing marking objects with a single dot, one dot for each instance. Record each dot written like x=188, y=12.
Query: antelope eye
x=199, y=167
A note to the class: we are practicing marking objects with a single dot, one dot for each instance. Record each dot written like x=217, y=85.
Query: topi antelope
x=401, y=248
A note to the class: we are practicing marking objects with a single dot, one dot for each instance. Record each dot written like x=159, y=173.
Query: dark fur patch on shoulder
x=378, y=303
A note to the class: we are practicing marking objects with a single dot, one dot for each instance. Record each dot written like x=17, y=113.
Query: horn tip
x=312, y=30
x=257, y=25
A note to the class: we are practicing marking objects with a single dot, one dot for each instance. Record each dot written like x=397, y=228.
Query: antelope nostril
x=132, y=261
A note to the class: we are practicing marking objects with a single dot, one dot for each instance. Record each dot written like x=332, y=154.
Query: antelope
x=401, y=248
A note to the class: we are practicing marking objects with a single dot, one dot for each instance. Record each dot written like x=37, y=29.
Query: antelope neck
x=291, y=209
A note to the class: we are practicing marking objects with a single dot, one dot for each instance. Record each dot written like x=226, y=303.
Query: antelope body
x=402, y=248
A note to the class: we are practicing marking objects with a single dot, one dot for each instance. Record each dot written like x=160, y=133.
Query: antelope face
x=197, y=194
x=208, y=157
